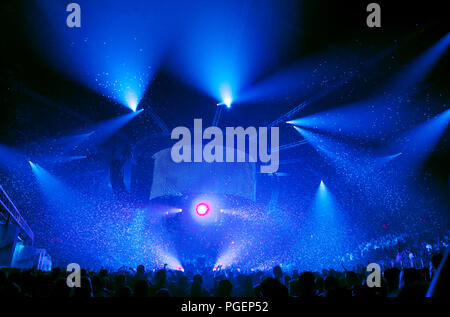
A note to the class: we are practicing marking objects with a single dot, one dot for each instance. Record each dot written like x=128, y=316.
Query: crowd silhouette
x=139, y=282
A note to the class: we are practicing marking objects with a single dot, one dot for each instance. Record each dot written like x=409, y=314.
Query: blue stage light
x=226, y=94
x=376, y=117
x=333, y=150
x=131, y=100
x=381, y=161
x=324, y=201
x=227, y=102
x=327, y=218
x=104, y=130
x=322, y=185
x=221, y=55
x=115, y=53
x=367, y=119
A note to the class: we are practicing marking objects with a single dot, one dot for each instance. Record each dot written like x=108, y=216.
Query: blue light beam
x=106, y=129
x=418, y=143
x=58, y=195
x=417, y=70
x=115, y=53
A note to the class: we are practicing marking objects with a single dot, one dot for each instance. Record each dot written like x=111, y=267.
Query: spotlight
x=226, y=95
x=226, y=102
x=202, y=209
x=131, y=100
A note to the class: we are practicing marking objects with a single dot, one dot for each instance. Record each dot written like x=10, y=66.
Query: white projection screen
x=175, y=179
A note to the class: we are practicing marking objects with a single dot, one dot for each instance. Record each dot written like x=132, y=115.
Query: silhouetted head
x=120, y=280
x=103, y=273
x=306, y=285
x=277, y=272
x=224, y=289
x=271, y=287
x=436, y=260
x=97, y=283
x=198, y=279
x=86, y=288
x=140, y=269
x=352, y=278
x=163, y=293
x=392, y=277
x=160, y=277
x=411, y=276
x=56, y=272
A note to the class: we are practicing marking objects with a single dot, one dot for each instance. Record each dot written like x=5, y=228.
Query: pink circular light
x=202, y=209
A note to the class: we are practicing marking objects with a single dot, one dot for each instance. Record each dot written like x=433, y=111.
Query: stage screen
x=175, y=179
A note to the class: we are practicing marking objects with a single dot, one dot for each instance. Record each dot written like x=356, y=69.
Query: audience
x=398, y=280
